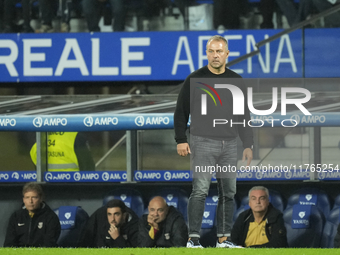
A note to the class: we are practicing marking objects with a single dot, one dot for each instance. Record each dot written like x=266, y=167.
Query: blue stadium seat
x=131, y=197
x=304, y=224
x=330, y=228
x=336, y=202
x=311, y=196
x=72, y=220
x=176, y=197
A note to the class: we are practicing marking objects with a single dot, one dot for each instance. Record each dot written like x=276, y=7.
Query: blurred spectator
x=307, y=7
x=227, y=13
x=47, y=10
x=113, y=226
x=268, y=7
x=298, y=12
x=93, y=11
x=10, y=11
x=35, y=224
x=69, y=8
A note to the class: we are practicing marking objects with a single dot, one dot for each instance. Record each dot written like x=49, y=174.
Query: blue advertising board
x=140, y=56
x=169, y=175
x=147, y=121
x=322, y=52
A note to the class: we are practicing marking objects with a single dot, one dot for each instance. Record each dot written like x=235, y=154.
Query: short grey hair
x=259, y=188
x=218, y=38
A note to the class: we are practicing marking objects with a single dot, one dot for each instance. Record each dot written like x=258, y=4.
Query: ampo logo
x=139, y=121
x=77, y=176
x=37, y=122
x=167, y=176
x=15, y=175
x=105, y=176
x=296, y=118
x=48, y=176
x=88, y=121
x=259, y=175
x=138, y=176
x=322, y=175
x=288, y=175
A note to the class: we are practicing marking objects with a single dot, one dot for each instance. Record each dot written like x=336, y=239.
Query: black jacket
x=95, y=233
x=185, y=107
x=275, y=228
x=173, y=231
x=42, y=230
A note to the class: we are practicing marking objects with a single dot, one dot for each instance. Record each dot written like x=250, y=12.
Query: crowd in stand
x=16, y=15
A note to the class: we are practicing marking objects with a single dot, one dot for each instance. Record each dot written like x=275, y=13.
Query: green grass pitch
x=165, y=251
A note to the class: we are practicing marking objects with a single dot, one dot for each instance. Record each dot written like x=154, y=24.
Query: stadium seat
x=176, y=197
x=304, y=224
x=72, y=220
x=336, y=202
x=330, y=228
x=131, y=197
x=311, y=196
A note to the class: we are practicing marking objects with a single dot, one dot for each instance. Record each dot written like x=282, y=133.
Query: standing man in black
x=210, y=146
x=35, y=224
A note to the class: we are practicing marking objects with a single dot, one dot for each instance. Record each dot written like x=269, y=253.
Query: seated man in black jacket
x=260, y=226
x=164, y=226
x=112, y=226
x=35, y=224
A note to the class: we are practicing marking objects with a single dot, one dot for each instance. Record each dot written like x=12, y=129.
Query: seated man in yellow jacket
x=66, y=151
